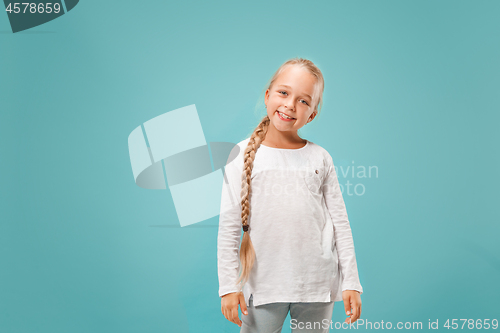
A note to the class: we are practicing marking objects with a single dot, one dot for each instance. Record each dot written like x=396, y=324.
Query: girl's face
x=291, y=94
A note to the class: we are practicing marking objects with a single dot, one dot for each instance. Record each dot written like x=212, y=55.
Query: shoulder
x=237, y=152
x=239, y=147
x=244, y=143
x=320, y=151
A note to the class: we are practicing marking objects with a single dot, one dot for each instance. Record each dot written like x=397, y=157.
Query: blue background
x=410, y=87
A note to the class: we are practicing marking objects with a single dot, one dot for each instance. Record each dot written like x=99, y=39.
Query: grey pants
x=304, y=317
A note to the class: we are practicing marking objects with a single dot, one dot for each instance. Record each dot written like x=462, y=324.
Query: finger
x=243, y=305
x=224, y=312
x=231, y=316
x=234, y=315
x=347, y=306
x=355, y=313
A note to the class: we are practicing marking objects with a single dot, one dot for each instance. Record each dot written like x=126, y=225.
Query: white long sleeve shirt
x=304, y=250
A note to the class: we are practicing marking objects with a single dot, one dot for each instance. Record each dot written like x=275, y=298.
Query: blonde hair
x=247, y=251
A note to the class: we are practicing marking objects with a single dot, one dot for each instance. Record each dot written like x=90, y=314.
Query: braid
x=247, y=251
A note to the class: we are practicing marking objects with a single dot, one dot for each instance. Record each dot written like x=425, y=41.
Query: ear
x=312, y=116
x=266, y=98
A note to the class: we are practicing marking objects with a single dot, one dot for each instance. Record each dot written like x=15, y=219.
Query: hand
x=229, y=306
x=352, y=299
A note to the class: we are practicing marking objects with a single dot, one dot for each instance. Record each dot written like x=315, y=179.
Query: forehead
x=298, y=79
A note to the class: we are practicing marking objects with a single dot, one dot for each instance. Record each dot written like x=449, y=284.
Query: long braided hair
x=247, y=251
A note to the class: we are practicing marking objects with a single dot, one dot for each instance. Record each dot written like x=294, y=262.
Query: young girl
x=297, y=252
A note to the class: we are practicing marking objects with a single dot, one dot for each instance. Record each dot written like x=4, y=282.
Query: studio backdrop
x=117, y=118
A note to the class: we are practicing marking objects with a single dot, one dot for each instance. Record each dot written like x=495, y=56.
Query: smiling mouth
x=283, y=115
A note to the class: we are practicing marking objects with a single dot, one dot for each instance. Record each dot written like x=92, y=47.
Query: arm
x=342, y=230
x=229, y=236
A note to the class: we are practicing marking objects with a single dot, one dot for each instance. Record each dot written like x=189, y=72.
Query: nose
x=289, y=104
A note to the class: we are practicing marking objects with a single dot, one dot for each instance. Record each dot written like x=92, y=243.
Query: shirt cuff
x=357, y=288
x=226, y=291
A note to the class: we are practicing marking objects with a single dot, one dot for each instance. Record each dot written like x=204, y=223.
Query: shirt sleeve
x=230, y=227
x=342, y=230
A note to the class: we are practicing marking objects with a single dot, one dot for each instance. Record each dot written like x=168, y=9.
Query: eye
x=281, y=91
x=305, y=102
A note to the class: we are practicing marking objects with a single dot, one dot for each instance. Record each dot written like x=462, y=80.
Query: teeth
x=285, y=116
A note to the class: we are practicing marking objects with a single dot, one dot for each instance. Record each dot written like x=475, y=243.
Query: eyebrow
x=284, y=85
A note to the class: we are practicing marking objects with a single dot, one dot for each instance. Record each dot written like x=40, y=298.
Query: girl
x=297, y=252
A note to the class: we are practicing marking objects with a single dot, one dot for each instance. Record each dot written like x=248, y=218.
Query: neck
x=282, y=138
